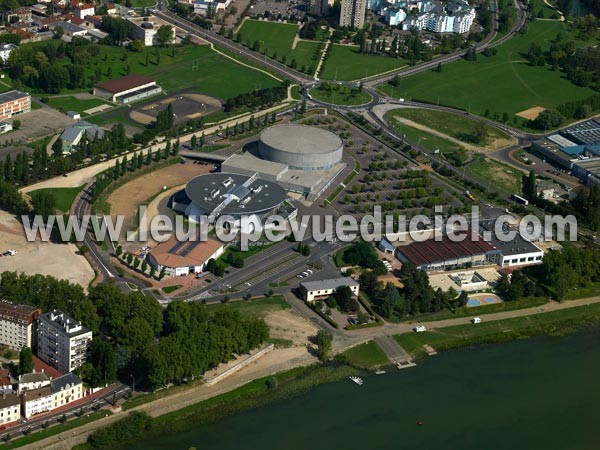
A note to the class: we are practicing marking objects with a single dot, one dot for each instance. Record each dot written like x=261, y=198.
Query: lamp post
x=133, y=384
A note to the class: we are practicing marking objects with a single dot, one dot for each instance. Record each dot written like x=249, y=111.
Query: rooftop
x=586, y=133
x=63, y=323
x=18, y=313
x=7, y=400
x=34, y=377
x=303, y=139
x=173, y=253
x=35, y=394
x=125, y=83
x=70, y=27
x=65, y=382
x=516, y=246
x=12, y=95
x=331, y=283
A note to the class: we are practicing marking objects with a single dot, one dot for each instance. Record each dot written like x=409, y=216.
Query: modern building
x=444, y=254
x=145, y=29
x=63, y=342
x=455, y=16
x=204, y=7
x=127, y=89
x=246, y=200
x=352, y=13
x=182, y=258
x=514, y=253
x=588, y=171
x=13, y=103
x=10, y=407
x=316, y=290
x=299, y=158
x=5, y=50
x=17, y=325
x=66, y=389
x=72, y=134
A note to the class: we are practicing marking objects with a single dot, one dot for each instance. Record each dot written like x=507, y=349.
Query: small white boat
x=357, y=380
x=380, y=372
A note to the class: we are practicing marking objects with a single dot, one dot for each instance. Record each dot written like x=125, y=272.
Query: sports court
x=483, y=299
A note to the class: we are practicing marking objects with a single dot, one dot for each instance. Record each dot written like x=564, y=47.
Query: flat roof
x=587, y=132
x=210, y=190
x=124, y=83
x=12, y=95
x=432, y=251
x=516, y=246
x=331, y=283
x=173, y=253
x=248, y=161
x=300, y=139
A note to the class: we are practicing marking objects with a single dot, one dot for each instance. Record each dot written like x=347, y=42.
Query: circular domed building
x=300, y=147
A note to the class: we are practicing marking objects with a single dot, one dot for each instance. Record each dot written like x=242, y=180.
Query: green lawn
x=345, y=63
x=341, y=95
x=454, y=125
x=142, y=3
x=498, y=84
x=368, y=355
x=555, y=322
x=64, y=196
x=424, y=139
x=169, y=289
x=501, y=175
x=254, y=307
x=70, y=103
x=278, y=38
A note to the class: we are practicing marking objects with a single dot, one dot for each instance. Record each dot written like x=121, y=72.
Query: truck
x=520, y=200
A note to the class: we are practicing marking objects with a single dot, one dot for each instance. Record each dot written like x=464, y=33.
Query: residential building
x=352, y=13
x=315, y=290
x=71, y=30
x=456, y=16
x=66, y=389
x=36, y=401
x=10, y=407
x=72, y=134
x=63, y=342
x=183, y=258
x=203, y=7
x=5, y=50
x=127, y=89
x=32, y=381
x=319, y=7
x=145, y=28
x=6, y=380
x=13, y=103
x=83, y=10
x=17, y=324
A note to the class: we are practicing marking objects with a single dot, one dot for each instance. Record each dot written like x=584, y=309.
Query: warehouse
x=183, y=258
x=299, y=158
x=127, y=89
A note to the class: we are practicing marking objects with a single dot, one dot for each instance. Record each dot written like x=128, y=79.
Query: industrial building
x=247, y=200
x=299, y=158
x=13, y=103
x=62, y=342
x=17, y=324
x=127, y=89
x=316, y=290
x=516, y=252
x=183, y=258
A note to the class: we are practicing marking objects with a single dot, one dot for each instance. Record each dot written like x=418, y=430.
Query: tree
x=165, y=35
x=480, y=132
x=16, y=124
x=25, y=360
x=43, y=203
x=324, y=342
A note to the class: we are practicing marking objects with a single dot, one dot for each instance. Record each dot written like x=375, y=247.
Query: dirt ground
x=45, y=258
x=531, y=113
x=37, y=124
x=287, y=325
x=125, y=200
x=185, y=107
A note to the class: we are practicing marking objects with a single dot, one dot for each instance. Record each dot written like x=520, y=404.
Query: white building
x=145, y=28
x=83, y=10
x=32, y=381
x=66, y=389
x=63, y=342
x=456, y=16
x=10, y=407
x=183, y=258
x=127, y=89
x=5, y=50
x=315, y=290
x=37, y=401
x=17, y=324
x=202, y=7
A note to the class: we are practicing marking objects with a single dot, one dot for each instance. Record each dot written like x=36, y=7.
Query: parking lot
x=282, y=9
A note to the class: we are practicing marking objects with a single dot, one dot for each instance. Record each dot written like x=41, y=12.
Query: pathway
x=323, y=53
x=396, y=354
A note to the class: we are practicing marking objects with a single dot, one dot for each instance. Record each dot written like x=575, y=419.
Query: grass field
x=366, y=356
x=197, y=68
x=70, y=103
x=498, y=84
x=64, y=196
x=424, y=139
x=555, y=322
x=505, y=177
x=169, y=289
x=345, y=63
x=341, y=96
x=254, y=307
x=279, y=37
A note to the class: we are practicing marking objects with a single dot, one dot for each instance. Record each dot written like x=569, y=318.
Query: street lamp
x=133, y=384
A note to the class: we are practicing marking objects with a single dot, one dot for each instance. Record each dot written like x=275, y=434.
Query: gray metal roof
x=64, y=382
x=301, y=139
x=12, y=95
x=332, y=283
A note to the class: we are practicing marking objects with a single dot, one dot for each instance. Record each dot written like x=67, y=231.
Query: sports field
x=279, y=38
x=501, y=175
x=70, y=103
x=498, y=84
x=424, y=139
x=345, y=63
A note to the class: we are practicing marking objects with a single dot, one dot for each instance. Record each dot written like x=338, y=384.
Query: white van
x=476, y=320
x=420, y=329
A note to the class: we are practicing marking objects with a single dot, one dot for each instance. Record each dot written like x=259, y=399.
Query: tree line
x=257, y=98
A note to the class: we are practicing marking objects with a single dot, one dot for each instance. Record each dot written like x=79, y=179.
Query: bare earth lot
x=37, y=124
x=45, y=258
x=285, y=324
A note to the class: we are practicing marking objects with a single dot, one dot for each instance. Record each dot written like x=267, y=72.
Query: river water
x=542, y=393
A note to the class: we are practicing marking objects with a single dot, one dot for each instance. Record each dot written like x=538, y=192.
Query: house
x=63, y=342
x=13, y=103
x=183, y=258
x=84, y=9
x=66, y=389
x=72, y=135
x=17, y=323
x=316, y=290
x=36, y=401
x=5, y=50
x=127, y=89
x=10, y=407
x=74, y=115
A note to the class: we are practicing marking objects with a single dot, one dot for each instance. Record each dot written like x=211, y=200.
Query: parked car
x=476, y=320
x=420, y=328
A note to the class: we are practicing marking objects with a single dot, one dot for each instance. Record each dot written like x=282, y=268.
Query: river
x=541, y=393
